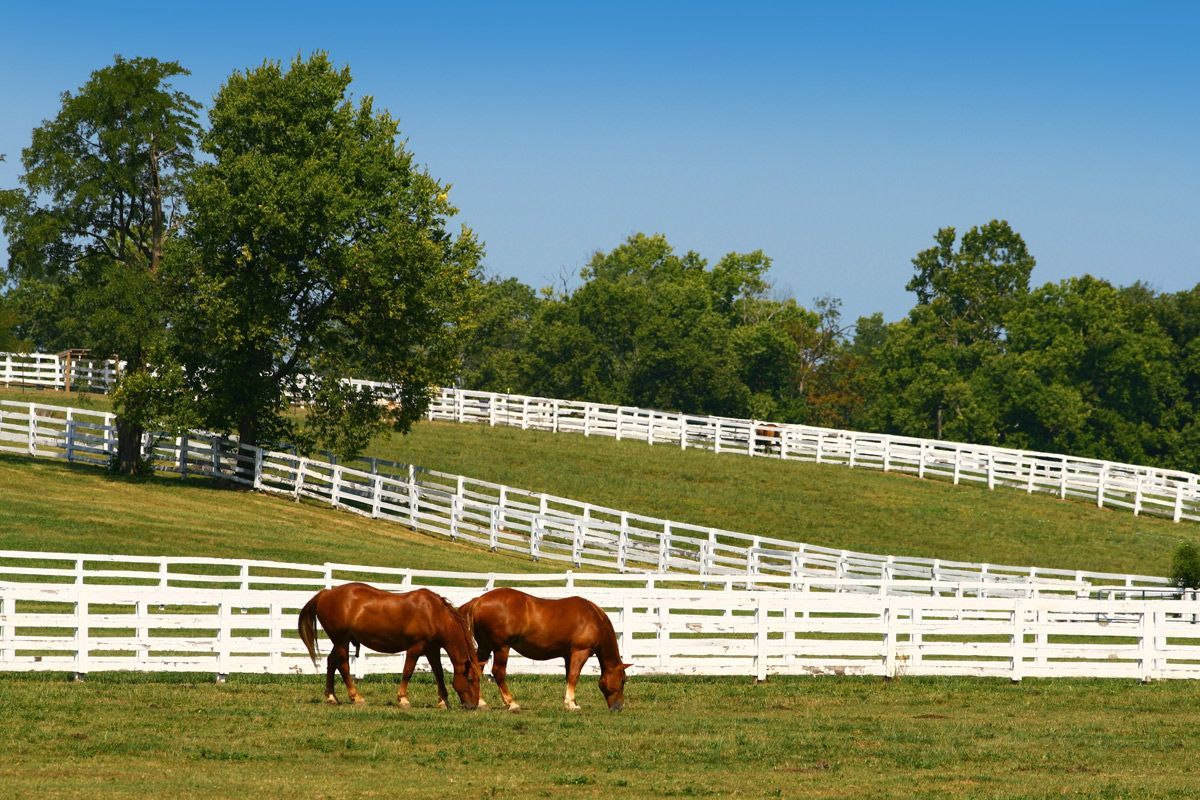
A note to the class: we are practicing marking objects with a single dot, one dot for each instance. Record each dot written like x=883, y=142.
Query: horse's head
x=467, y=679
x=612, y=684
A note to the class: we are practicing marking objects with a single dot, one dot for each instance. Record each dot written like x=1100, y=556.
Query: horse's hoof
x=360, y=701
x=514, y=708
x=442, y=705
x=571, y=707
x=482, y=705
x=404, y=703
x=331, y=700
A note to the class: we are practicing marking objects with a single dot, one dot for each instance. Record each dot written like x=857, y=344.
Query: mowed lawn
x=832, y=506
x=859, y=509
x=49, y=505
x=121, y=736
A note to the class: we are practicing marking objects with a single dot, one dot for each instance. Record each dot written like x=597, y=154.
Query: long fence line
x=84, y=628
x=504, y=518
x=1143, y=490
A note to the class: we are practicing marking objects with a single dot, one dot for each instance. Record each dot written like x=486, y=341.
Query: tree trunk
x=247, y=437
x=129, y=447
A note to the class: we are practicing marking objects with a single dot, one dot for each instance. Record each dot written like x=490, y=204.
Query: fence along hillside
x=1142, y=490
x=250, y=626
x=505, y=518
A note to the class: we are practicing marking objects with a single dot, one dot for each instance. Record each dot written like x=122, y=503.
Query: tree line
x=290, y=241
x=1079, y=366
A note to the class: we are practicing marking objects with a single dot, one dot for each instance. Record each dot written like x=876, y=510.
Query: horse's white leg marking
x=331, y=699
x=442, y=704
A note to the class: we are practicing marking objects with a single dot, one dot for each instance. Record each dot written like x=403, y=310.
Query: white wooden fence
x=1143, y=490
x=504, y=518
x=84, y=628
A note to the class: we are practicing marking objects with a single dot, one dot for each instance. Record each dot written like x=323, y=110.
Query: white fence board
x=87, y=628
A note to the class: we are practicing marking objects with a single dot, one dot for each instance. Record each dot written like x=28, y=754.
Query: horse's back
x=536, y=627
x=382, y=620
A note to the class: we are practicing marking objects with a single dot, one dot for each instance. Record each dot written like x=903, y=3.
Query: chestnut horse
x=571, y=629
x=420, y=623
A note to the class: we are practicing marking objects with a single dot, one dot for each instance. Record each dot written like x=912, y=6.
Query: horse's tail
x=307, y=626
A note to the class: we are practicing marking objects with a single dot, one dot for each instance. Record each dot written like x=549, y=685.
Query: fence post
x=577, y=543
x=1148, y=662
x=1018, y=639
x=224, y=634
x=761, y=638
x=889, y=638
x=991, y=469
x=1101, y=479
x=258, y=468
x=335, y=486
x=376, y=494
x=414, y=499
x=32, y=425
x=183, y=455
x=81, y=636
x=301, y=466
x=70, y=435
x=496, y=522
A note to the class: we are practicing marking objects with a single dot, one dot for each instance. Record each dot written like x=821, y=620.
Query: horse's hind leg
x=434, y=654
x=342, y=653
x=574, y=663
x=410, y=663
x=331, y=665
x=500, y=676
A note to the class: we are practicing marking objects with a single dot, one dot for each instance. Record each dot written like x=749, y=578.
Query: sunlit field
x=120, y=736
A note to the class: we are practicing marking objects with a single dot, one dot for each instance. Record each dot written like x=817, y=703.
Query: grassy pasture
x=48, y=505
x=826, y=505
x=122, y=736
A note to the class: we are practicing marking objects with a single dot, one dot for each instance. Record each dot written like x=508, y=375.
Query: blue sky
x=836, y=137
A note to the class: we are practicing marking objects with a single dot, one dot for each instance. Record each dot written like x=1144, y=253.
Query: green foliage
x=655, y=328
x=9, y=342
x=1185, y=565
x=102, y=197
x=316, y=251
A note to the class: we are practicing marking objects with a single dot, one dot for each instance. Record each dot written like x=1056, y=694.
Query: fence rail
x=84, y=628
x=508, y=519
x=1142, y=490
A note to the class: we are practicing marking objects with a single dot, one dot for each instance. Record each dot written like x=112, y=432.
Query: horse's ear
x=626, y=666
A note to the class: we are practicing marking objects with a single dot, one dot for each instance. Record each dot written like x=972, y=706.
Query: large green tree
x=101, y=199
x=317, y=251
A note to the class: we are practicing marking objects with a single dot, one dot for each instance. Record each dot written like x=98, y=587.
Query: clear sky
x=837, y=137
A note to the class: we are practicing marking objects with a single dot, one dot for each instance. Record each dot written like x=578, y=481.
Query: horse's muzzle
x=617, y=706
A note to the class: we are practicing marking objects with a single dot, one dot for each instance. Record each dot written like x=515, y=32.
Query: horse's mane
x=463, y=620
x=606, y=625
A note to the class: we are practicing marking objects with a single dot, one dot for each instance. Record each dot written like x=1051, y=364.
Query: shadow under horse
x=572, y=629
x=417, y=623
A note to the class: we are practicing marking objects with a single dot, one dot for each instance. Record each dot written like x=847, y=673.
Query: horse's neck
x=607, y=650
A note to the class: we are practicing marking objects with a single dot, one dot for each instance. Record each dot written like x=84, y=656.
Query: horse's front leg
x=574, y=663
x=410, y=663
x=434, y=654
x=500, y=676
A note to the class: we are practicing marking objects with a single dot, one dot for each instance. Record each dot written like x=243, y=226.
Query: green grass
x=48, y=505
x=833, y=506
x=121, y=736
x=863, y=510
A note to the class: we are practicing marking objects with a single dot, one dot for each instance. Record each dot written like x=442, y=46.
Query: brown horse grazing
x=571, y=629
x=420, y=623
